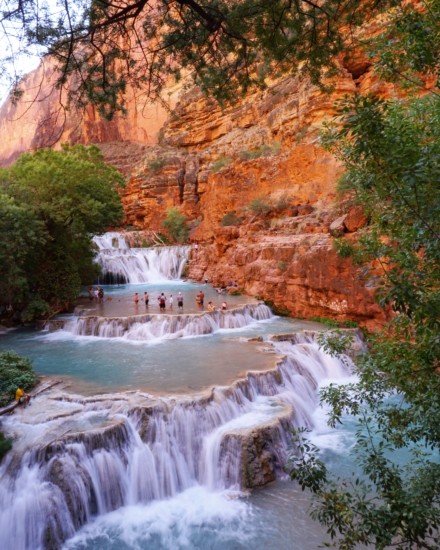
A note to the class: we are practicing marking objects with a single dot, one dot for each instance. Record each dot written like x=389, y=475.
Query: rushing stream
x=169, y=420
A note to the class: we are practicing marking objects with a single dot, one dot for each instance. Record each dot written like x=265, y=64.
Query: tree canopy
x=222, y=45
x=52, y=203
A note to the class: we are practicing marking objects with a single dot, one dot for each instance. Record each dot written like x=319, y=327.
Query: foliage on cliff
x=52, y=202
x=175, y=224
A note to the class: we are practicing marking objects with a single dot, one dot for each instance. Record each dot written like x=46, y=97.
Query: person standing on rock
x=136, y=298
x=146, y=298
x=179, y=301
x=162, y=302
x=170, y=301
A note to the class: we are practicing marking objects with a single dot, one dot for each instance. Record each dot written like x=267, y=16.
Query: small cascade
x=121, y=264
x=94, y=455
x=161, y=327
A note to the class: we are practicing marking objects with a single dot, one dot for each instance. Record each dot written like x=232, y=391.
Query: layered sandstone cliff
x=258, y=190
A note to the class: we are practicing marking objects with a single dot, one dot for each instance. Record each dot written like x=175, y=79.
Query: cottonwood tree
x=391, y=153
x=53, y=202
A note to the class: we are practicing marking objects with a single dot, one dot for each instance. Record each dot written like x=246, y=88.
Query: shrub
x=175, y=224
x=350, y=324
x=5, y=445
x=220, y=163
x=262, y=151
x=163, y=239
x=281, y=202
x=155, y=165
x=35, y=309
x=259, y=207
x=282, y=266
x=330, y=323
x=14, y=371
x=231, y=218
x=276, y=148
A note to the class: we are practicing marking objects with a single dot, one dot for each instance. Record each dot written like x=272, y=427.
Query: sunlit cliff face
x=211, y=163
x=42, y=118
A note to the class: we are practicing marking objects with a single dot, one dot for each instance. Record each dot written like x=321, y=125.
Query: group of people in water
x=162, y=300
x=167, y=302
x=96, y=294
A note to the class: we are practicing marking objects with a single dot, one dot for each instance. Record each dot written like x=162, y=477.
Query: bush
x=236, y=292
x=220, y=163
x=36, y=309
x=14, y=371
x=259, y=207
x=5, y=445
x=175, y=224
x=350, y=324
x=156, y=165
x=330, y=323
x=262, y=151
x=281, y=202
x=231, y=218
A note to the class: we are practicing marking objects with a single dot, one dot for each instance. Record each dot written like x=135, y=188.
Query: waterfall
x=160, y=327
x=83, y=457
x=122, y=264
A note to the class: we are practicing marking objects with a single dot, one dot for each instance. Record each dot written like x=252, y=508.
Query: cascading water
x=160, y=327
x=76, y=460
x=81, y=458
x=122, y=264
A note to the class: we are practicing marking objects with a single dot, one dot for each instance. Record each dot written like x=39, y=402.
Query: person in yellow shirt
x=21, y=396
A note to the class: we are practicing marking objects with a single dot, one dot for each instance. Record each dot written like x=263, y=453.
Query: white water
x=138, y=265
x=69, y=474
x=127, y=471
x=141, y=328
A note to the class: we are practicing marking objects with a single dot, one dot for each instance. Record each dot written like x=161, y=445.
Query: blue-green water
x=100, y=365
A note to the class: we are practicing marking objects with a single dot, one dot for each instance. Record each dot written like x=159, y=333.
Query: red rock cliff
x=256, y=186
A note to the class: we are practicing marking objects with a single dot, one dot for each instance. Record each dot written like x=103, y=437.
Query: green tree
x=5, y=445
x=15, y=371
x=391, y=151
x=21, y=234
x=56, y=201
x=175, y=224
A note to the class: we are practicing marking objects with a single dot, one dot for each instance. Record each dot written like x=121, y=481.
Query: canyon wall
x=258, y=190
